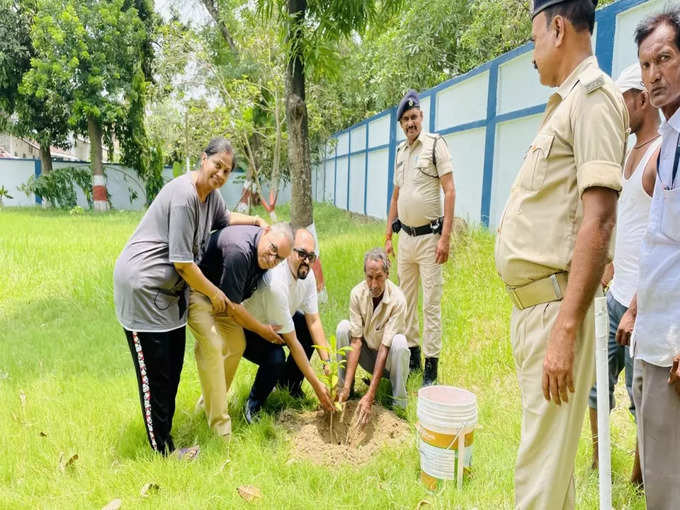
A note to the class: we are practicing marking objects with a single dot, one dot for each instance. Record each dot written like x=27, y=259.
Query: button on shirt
x=377, y=326
x=580, y=144
x=656, y=337
x=417, y=177
x=279, y=295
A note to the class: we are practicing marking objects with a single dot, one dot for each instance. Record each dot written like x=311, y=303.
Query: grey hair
x=218, y=145
x=380, y=255
x=283, y=229
x=669, y=16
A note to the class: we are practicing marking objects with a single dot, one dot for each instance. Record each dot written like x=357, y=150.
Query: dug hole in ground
x=311, y=438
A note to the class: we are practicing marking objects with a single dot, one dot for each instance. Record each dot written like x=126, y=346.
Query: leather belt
x=418, y=231
x=551, y=288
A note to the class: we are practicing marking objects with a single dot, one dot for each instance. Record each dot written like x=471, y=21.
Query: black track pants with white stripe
x=158, y=360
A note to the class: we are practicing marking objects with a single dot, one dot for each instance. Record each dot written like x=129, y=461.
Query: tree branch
x=211, y=6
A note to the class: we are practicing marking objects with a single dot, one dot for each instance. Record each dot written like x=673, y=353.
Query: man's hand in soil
x=343, y=395
x=674, y=376
x=365, y=407
x=323, y=396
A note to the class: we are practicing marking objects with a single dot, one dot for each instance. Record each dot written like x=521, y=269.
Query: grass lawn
x=67, y=387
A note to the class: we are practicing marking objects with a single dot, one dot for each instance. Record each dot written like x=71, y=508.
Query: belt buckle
x=556, y=286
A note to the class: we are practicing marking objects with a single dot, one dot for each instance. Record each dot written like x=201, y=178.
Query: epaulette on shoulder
x=401, y=145
x=592, y=79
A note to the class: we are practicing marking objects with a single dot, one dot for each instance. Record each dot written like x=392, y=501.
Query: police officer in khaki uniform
x=423, y=168
x=553, y=243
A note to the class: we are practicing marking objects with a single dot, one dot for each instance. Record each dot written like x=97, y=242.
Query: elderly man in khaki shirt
x=553, y=243
x=422, y=171
x=377, y=310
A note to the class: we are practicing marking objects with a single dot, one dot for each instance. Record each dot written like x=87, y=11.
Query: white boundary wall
x=119, y=181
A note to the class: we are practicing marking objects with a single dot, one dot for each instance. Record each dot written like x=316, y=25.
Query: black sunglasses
x=311, y=256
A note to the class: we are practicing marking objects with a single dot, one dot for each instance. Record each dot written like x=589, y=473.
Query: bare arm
x=391, y=216
x=244, y=319
x=302, y=363
x=608, y=274
x=243, y=219
x=587, y=266
x=366, y=402
x=195, y=278
x=351, y=368
x=442, y=254
x=649, y=175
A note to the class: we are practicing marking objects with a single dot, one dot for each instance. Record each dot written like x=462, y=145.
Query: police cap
x=410, y=100
x=541, y=5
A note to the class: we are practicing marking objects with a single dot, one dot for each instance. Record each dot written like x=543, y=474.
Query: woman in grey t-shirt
x=153, y=275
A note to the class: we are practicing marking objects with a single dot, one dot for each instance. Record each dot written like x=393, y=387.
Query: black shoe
x=430, y=373
x=251, y=411
x=414, y=363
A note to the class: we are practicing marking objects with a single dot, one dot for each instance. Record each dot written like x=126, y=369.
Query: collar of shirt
x=413, y=145
x=386, y=298
x=568, y=84
x=668, y=126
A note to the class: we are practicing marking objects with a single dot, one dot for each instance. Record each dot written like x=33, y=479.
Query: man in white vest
x=639, y=174
x=655, y=310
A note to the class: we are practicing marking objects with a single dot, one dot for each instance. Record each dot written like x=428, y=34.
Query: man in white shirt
x=655, y=310
x=286, y=298
x=639, y=174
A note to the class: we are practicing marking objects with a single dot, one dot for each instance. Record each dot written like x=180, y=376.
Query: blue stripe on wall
x=37, y=170
x=489, y=144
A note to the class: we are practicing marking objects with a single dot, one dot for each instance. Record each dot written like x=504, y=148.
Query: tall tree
x=93, y=49
x=15, y=54
x=31, y=108
x=312, y=27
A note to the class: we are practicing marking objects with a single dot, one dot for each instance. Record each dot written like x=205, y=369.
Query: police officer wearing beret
x=423, y=168
x=553, y=242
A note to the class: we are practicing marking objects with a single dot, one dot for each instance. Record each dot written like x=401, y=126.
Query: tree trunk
x=45, y=166
x=94, y=131
x=301, y=214
x=45, y=158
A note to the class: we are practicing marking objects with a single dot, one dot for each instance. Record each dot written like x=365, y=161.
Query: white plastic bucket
x=447, y=417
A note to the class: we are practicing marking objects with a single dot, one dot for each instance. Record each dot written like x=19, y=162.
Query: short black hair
x=669, y=16
x=580, y=13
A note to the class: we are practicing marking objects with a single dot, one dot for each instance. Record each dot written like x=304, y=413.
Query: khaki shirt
x=380, y=325
x=418, y=178
x=581, y=144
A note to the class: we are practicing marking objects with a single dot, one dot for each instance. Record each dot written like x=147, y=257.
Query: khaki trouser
x=220, y=343
x=657, y=407
x=416, y=260
x=396, y=364
x=544, y=473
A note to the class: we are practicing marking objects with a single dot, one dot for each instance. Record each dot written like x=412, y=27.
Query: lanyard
x=676, y=161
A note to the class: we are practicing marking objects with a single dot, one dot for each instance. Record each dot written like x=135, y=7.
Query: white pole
x=602, y=378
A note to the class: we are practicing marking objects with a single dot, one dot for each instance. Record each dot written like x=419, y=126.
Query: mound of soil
x=311, y=435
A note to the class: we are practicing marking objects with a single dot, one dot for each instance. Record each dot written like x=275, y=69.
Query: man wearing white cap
x=639, y=175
